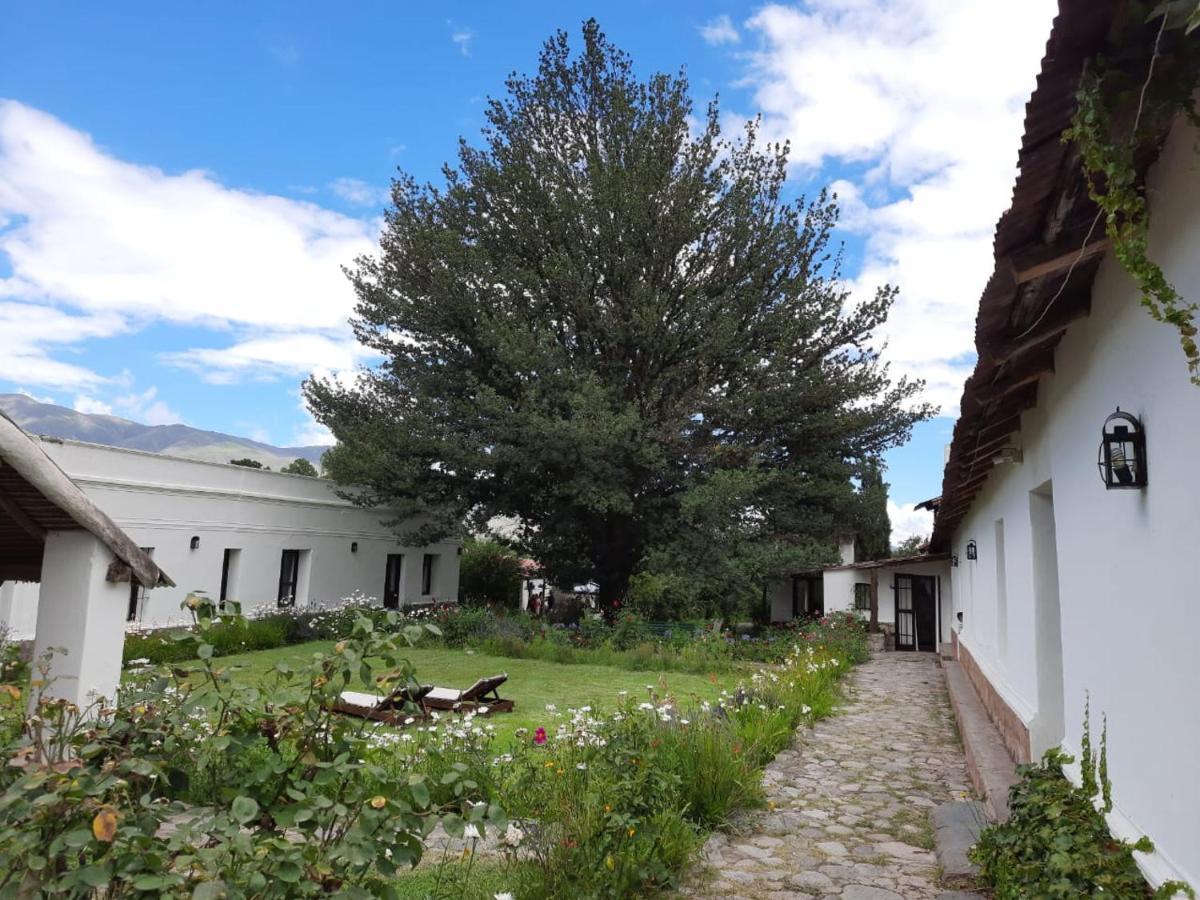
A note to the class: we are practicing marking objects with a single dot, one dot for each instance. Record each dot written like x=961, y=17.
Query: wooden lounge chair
x=483, y=693
x=389, y=708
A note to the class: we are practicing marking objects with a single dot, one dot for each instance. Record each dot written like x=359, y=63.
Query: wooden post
x=874, y=626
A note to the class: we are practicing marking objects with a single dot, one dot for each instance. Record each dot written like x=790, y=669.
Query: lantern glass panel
x=1122, y=452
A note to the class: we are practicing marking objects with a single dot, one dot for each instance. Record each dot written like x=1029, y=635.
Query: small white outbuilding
x=51, y=532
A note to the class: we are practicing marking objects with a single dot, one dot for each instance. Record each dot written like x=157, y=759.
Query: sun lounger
x=483, y=693
x=389, y=708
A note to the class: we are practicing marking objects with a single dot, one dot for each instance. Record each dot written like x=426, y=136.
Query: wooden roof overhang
x=37, y=497
x=1047, y=249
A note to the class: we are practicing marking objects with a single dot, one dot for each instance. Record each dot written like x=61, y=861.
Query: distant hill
x=171, y=440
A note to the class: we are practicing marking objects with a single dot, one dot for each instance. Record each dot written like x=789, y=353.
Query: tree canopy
x=610, y=323
x=248, y=463
x=300, y=466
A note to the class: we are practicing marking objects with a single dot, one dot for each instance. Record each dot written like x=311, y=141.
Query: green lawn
x=531, y=683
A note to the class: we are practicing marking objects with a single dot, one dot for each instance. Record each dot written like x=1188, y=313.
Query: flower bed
x=198, y=785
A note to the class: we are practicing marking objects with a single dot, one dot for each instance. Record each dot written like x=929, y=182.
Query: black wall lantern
x=1122, y=457
x=195, y=542
x=972, y=550
x=354, y=546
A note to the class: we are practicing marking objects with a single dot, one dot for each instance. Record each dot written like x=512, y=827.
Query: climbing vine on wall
x=1126, y=102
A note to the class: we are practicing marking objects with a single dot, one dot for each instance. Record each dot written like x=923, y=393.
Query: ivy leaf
x=244, y=809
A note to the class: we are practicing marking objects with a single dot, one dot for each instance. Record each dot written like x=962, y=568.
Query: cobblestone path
x=849, y=803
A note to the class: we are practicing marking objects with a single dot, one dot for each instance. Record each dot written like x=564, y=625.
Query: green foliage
x=300, y=466
x=1149, y=77
x=489, y=573
x=910, y=546
x=248, y=463
x=1056, y=843
x=609, y=324
x=263, y=799
x=873, y=535
x=622, y=800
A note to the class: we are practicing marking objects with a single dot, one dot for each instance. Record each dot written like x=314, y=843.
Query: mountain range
x=172, y=440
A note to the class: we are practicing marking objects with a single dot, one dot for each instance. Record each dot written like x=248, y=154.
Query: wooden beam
x=1051, y=326
x=1045, y=261
x=18, y=515
x=987, y=449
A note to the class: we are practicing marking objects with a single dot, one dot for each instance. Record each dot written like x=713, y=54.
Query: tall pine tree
x=610, y=324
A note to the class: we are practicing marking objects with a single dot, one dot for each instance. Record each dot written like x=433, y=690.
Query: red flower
x=539, y=736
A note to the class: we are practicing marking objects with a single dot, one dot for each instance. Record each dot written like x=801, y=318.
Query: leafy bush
x=463, y=626
x=263, y=798
x=1056, y=843
x=489, y=574
x=621, y=801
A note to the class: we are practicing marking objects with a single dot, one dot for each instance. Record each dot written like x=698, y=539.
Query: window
x=428, y=564
x=289, y=575
x=391, y=581
x=862, y=596
x=137, y=592
x=229, y=569
x=137, y=595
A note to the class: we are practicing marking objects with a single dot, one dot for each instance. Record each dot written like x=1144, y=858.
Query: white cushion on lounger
x=439, y=693
x=357, y=698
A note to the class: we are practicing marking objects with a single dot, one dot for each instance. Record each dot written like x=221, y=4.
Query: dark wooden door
x=916, y=612
x=289, y=575
x=808, y=596
x=391, y=581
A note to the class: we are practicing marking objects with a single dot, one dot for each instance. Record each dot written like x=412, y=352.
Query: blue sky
x=179, y=184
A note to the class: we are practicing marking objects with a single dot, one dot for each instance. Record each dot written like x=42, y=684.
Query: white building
x=913, y=597
x=1069, y=589
x=240, y=534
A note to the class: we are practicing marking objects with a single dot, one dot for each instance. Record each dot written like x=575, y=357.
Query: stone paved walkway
x=849, y=803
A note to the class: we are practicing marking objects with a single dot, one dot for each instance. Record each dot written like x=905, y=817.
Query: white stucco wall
x=163, y=502
x=840, y=582
x=1126, y=561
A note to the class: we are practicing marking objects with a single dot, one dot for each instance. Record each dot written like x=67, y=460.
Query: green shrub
x=1056, y=843
x=263, y=799
x=489, y=574
x=466, y=625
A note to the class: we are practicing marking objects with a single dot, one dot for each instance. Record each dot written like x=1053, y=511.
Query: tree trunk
x=611, y=596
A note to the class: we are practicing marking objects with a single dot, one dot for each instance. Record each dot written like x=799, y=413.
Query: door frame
x=909, y=638
x=393, y=581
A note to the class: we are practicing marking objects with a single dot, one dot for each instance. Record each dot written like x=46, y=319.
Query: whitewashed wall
x=1126, y=561
x=163, y=502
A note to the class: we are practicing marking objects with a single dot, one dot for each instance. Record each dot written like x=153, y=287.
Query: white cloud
x=98, y=246
x=92, y=406
x=358, y=192
x=144, y=407
x=270, y=356
x=28, y=331
x=719, y=31
x=927, y=98
x=462, y=38
x=908, y=521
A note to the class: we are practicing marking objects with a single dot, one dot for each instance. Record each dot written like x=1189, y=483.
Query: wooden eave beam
x=1048, y=328
x=1042, y=261
x=23, y=520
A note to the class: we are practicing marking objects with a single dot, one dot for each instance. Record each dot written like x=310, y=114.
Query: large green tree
x=610, y=323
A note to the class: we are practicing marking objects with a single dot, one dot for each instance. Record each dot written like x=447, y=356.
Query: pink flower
x=539, y=736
